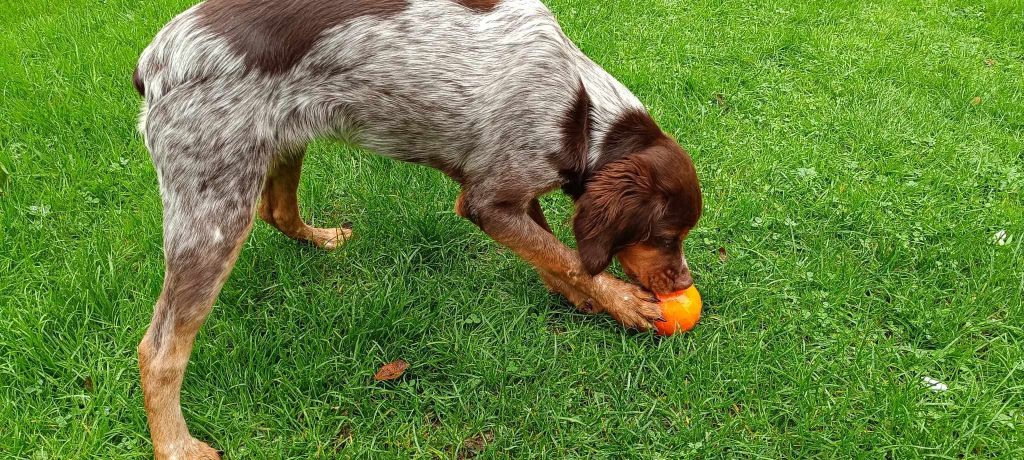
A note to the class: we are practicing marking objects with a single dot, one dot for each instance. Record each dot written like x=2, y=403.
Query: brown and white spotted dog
x=491, y=92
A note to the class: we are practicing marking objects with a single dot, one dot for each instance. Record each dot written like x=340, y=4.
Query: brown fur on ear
x=616, y=210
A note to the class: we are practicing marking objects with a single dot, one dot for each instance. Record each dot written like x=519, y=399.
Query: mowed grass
x=857, y=158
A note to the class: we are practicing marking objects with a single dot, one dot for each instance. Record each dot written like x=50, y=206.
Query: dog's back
x=452, y=84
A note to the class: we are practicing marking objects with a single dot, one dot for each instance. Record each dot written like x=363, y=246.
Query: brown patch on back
x=274, y=35
x=479, y=5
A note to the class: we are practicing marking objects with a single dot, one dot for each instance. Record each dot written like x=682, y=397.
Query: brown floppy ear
x=594, y=240
x=617, y=209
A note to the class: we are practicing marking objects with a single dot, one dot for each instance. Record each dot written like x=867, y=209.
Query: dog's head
x=639, y=209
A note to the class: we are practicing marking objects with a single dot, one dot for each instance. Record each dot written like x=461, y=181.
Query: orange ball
x=681, y=311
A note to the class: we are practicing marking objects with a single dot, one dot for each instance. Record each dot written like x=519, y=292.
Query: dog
x=490, y=92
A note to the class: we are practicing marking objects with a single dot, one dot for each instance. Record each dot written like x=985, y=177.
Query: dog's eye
x=666, y=242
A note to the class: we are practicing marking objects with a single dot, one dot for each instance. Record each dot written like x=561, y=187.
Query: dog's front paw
x=630, y=305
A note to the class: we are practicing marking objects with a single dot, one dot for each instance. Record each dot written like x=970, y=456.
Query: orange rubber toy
x=681, y=311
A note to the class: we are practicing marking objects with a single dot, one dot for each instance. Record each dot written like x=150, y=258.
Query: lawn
x=858, y=160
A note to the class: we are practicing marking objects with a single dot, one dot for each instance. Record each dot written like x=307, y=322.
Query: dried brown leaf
x=87, y=384
x=722, y=254
x=976, y=101
x=391, y=371
x=990, y=62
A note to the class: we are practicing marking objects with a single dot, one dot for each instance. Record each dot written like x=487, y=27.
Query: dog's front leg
x=516, y=225
x=553, y=283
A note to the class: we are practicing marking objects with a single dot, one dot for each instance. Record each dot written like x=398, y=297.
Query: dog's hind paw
x=193, y=449
x=329, y=238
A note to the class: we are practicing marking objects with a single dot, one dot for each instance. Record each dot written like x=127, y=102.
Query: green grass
x=851, y=179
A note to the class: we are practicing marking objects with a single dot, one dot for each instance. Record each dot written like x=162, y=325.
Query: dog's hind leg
x=209, y=189
x=279, y=204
